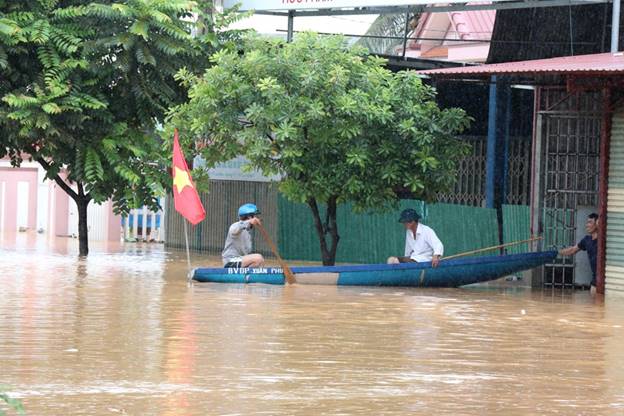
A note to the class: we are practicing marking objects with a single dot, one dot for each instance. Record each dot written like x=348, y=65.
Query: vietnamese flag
x=185, y=196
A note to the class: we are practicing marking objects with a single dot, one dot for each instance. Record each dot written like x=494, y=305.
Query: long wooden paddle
x=290, y=277
x=467, y=253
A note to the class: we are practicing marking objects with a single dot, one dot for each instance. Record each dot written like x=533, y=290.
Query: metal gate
x=469, y=188
x=567, y=158
x=518, y=171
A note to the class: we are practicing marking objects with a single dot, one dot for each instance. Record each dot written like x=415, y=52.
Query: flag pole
x=185, y=197
x=188, y=253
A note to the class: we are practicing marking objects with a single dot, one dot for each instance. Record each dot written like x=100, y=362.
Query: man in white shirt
x=421, y=242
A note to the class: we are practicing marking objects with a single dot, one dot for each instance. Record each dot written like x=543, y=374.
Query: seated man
x=421, y=242
x=237, y=250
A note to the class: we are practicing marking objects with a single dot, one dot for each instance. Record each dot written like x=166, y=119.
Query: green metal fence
x=371, y=238
x=221, y=205
x=516, y=227
x=365, y=238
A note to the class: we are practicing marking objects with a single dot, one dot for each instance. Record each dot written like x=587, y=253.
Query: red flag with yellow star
x=185, y=196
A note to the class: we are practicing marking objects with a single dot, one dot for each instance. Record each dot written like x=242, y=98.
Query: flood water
x=123, y=333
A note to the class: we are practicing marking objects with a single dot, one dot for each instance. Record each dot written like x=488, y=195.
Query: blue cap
x=248, y=209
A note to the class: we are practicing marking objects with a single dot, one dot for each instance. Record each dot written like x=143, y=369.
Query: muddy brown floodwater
x=122, y=333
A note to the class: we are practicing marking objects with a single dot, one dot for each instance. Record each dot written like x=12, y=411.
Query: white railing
x=142, y=224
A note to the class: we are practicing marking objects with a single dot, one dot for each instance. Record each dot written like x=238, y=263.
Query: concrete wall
x=18, y=198
x=30, y=202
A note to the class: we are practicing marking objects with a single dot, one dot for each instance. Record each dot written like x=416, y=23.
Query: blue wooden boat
x=449, y=273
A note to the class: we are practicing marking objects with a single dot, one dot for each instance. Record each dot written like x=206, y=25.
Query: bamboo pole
x=467, y=253
x=290, y=277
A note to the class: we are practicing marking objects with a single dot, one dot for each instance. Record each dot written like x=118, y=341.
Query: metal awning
x=353, y=7
x=607, y=64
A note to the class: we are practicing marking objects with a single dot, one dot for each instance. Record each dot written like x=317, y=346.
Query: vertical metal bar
x=572, y=232
x=577, y=157
x=553, y=196
x=405, y=32
x=557, y=168
x=615, y=26
x=291, y=24
x=536, y=196
x=573, y=184
x=490, y=180
x=552, y=178
x=564, y=231
x=605, y=134
x=567, y=173
x=505, y=175
x=535, y=170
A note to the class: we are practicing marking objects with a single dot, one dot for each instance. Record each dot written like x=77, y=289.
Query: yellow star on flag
x=181, y=179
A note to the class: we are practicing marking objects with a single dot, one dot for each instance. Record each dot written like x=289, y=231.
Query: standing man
x=237, y=250
x=421, y=242
x=589, y=243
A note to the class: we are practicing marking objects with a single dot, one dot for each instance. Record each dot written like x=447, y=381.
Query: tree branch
x=81, y=193
x=68, y=190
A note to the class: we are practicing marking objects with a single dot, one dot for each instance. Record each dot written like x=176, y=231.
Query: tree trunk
x=332, y=228
x=82, y=202
x=83, y=231
x=328, y=252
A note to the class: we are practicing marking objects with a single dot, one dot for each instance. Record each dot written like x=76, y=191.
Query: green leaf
x=122, y=9
x=140, y=28
x=9, y=27
x=93, y=166
x=51, y=108
x=39, y=31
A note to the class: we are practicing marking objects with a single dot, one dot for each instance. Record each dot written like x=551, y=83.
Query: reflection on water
x=122, y=333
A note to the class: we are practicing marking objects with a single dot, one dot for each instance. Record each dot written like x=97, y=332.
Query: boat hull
x=449, y=273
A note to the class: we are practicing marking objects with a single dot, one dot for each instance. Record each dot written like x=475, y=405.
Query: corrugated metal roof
x=476, y=25
x=606, y=63
x=469, y=25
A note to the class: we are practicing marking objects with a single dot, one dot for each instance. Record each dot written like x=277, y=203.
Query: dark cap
x=409, y=215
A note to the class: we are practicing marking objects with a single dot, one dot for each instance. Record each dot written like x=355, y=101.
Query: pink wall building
x=30, y=202
x=461, y=36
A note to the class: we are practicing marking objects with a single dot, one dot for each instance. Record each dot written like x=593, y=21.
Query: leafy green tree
x=333, y=122
x=85, y=85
